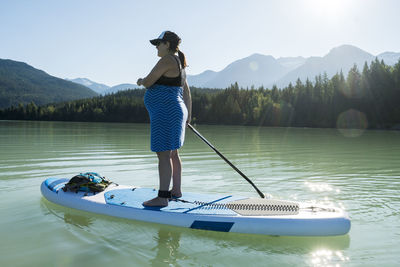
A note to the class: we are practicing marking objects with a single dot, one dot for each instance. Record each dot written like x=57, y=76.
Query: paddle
x=226, y=160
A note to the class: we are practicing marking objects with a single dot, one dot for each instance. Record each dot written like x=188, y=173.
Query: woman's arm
x=162, y=66
x=187, y=98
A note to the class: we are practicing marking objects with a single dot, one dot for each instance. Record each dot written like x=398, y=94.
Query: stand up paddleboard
x=226, y=213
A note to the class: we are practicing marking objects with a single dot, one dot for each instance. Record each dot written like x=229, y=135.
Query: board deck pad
x=264, y=207
x=135, y=198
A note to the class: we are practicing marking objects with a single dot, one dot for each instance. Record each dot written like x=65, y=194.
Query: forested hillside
x=21, y=83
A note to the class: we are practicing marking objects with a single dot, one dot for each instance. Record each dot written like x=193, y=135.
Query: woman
x=169, y=104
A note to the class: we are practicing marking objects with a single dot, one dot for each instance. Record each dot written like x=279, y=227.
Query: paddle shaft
x=226, y=160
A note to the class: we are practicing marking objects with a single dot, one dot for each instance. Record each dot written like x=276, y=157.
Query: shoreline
x=396, y=127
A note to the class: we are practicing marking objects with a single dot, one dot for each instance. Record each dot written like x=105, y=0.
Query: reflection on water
x=325, y=257
x=69, y=216
x=167, y=248
x=360, y=174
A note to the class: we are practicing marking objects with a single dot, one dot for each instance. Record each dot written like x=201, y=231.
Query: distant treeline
x=370, y=98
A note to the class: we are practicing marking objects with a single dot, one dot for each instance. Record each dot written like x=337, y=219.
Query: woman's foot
x=156, y=202
x=176, y=194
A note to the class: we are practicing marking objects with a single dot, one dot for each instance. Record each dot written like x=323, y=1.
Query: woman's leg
x=165, y=172
x=176, y=174
x=164, y=169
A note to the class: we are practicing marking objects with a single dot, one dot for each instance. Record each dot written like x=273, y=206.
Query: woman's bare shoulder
x=169, y=59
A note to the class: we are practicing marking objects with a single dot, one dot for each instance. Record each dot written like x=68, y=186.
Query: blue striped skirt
x=168, y=115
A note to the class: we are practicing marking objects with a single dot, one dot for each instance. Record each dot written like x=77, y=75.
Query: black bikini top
x=174, y=81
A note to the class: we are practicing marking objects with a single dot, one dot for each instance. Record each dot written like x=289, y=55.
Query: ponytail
x=182, y=58
x=174, y=42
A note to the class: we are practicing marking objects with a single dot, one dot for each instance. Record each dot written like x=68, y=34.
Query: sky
x=108, y=41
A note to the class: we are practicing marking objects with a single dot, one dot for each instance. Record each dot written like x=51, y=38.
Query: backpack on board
x=89, y=182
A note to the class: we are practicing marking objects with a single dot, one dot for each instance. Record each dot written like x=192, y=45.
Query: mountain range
x=22, y=83
x=102, y=88
x=263, y=70
x=97, y=87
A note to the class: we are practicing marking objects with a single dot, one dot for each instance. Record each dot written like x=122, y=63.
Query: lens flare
x=353, y=91
x=352, y=123
x=253, y=66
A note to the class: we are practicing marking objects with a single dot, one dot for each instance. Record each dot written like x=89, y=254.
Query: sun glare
x=327, y=9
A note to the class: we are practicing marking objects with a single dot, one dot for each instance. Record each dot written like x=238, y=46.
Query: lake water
x=358, y=171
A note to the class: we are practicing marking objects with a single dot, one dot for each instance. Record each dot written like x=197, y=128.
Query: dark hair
x=174, y=42
x=182, y=58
